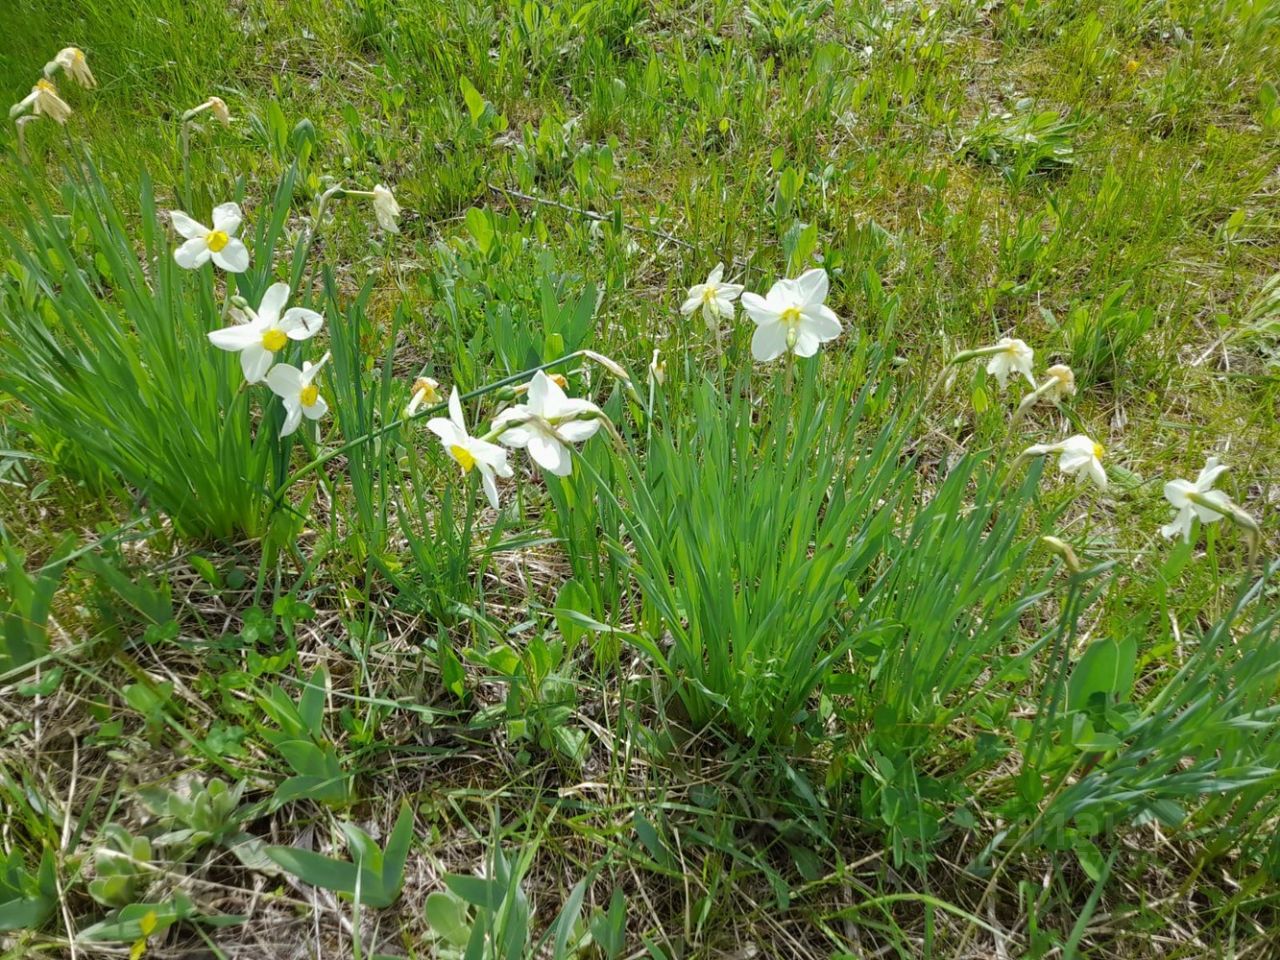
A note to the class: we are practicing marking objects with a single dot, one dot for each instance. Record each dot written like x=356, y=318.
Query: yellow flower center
x=78, y=55
x=463, y=456
x=709, y=293
x=559, y=380
x=275, y=340
x=217, y=239
x=46, y=86
x=1098, y=451
x=309, y=394
x=791, y=316
x=427, y=388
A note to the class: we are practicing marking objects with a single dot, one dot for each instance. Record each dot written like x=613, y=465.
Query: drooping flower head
x=1078, y=457
x=425, y=391
x=1013, y=356
x=300, y=395
x=1061, y=383
x=218, y=107
x=72, y=62
x=219, y=244
x=792, y=316
x=547, y=423
x=1191, y=500
x=43, y=101
x=266, y=331
x=713, y=297
x=386, y=209
x=470, y=453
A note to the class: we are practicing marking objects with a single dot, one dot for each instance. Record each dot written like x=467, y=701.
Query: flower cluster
x=44, y=99
x=547, y=425
x=791, y=318
x=1081, y=457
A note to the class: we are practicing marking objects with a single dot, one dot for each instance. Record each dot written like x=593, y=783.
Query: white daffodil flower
x=1061, y=383
x=1011, y=356
x=657, y=368
x=386, y=209
x=714, y=298
x=792, y=316
x=301, y=397
x=470, y=452
x=1191, y=500
x=425, y=391
x=219, y=244
x=72, y=62
x=43, y=101
x=267, y=331
x=547, y=423
x=218, y=107
x=1078, y=457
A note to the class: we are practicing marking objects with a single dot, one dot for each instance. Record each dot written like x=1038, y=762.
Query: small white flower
x=470, y=452
x=73, y=63
x=657, y=368
x=386, y=209
x=547, y=423
x=218, y=107
x=1176, y=492
x=1078, y=457
x=301, y=397
x=267, y=331
x=1013, y=356
x=1061, y=383
x=714, y=298
x=425, y=390
x=43, y=100
x=792, y=316
x=219, y=244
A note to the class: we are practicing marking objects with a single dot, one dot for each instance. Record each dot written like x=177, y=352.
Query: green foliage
x=745, y=541
x=374, y=875
x=25, y=599
x=489, y=917
x=1022, y=144
x=122, y=867
x=300, y=739
x=27, y=897
x=108, y=351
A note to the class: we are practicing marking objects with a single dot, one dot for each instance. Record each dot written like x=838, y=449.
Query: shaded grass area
x=1098, y=179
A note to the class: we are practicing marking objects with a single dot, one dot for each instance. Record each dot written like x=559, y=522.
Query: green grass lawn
x=783, y=665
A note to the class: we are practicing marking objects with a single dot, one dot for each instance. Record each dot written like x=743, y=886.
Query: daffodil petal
x=192, y=254
x=234, y=257
x=186, y=226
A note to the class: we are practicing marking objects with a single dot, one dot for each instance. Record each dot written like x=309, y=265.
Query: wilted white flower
x=301, y=397
x=219, y=244
x=714, y=298
x=425, y=391
x=1061, y=383
x=1199, y=499
x=1078, y=456
x=218, y=107
x=547, y=423
x=43, y=101
x=470, y=452
x=267, y=331
x=1011, y=355
x=386, y=209
x=792, y=316
x=72, y=62
x=657, y=369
